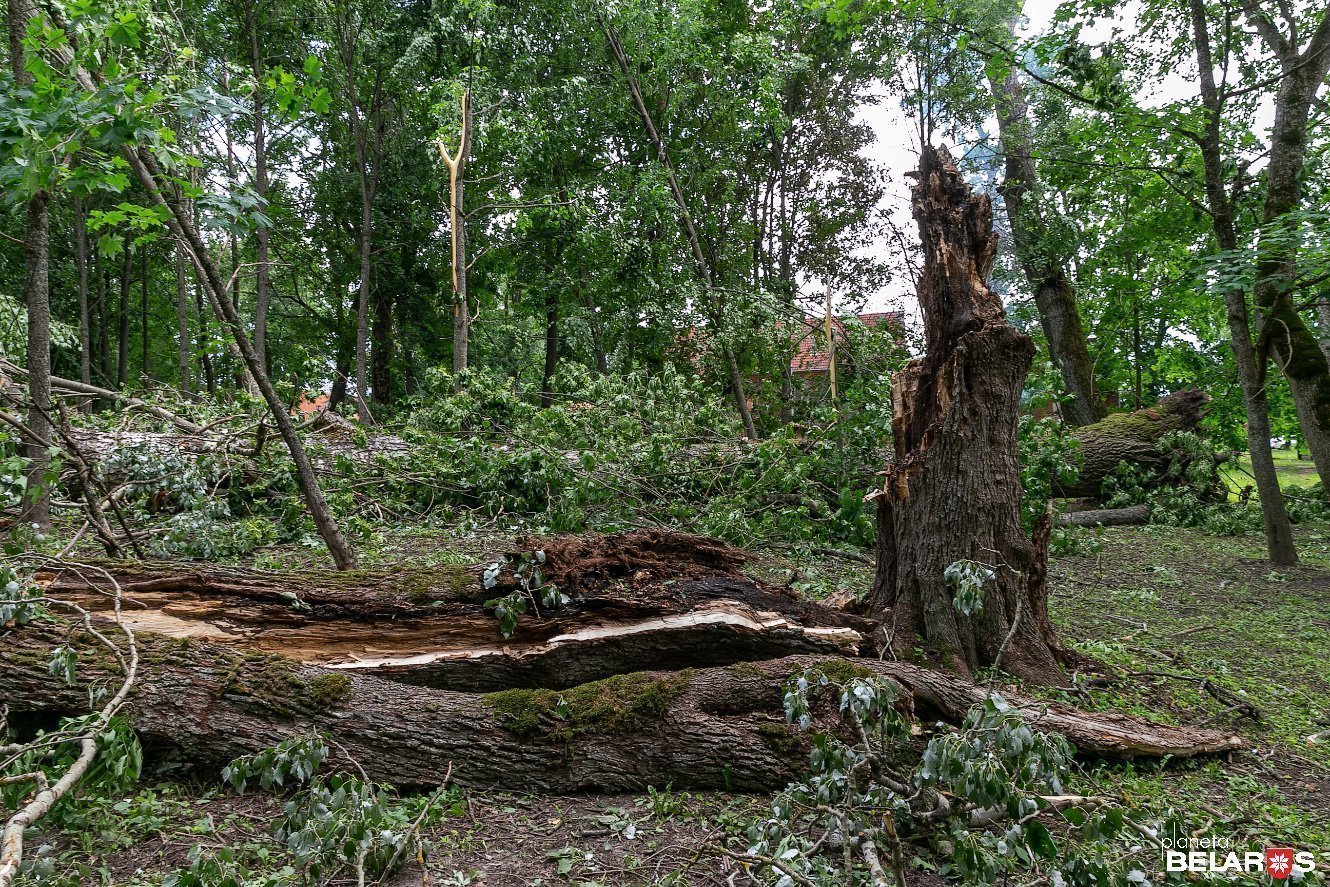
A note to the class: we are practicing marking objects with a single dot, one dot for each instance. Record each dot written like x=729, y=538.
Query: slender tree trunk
x=151, y=178
x=704, y=269
x=122, y=347
x=952, y=493
x=1284, y=334
x=262, y=277
x=182, y=319
x=103, y=323
x=85, y=314
x=180, y=220
x=36, y=289
x=456, y=166
x=551, y=345
x=143, y=315
x=1059, y=315
x=1278, y=531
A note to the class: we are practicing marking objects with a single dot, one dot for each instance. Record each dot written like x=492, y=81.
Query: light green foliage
x=332, y=826
x=967, y=580
x=977, y=794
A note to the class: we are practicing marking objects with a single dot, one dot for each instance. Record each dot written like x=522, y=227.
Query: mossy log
x=1132, y=438
x=713, y=728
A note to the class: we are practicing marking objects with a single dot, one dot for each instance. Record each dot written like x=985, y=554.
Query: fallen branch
x=48, y=795
x=1132, y=515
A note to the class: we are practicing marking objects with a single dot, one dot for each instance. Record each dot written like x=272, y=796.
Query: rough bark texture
x=714, y=728
x=1132, y=438
x=233, y=661
x=953, y=490
x=1053, y=292
x=1278, y=529
x=1284, y=334
x=37, y=298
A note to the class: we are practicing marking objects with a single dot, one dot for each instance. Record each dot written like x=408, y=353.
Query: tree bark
x=183, y=346
x=262, y=277
x=145, y=365
x=704, y=728
x=1132, y=515
x=122, y=345
x=953, y=491
x=1132, y=438
x=85, y=316
x=36, y=509
x=1054, y=295
x=1274, y=514
x=1284, y=334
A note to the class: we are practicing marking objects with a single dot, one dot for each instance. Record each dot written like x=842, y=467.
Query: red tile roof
x=810, y=354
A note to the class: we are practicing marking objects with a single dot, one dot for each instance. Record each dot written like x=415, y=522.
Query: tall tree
x=1284, y=334
x=1278, y=532
x=37, y=296
x=1044, y=266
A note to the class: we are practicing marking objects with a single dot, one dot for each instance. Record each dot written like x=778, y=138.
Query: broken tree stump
x=952, y=491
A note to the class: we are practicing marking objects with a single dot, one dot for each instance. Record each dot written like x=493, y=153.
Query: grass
x=1294, y=474
x=1165, y=609
x=1157, y=609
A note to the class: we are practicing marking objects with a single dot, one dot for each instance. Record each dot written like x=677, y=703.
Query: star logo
x=1279, y=862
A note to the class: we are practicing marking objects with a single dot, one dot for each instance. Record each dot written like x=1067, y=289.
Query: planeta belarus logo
x=1279, y=862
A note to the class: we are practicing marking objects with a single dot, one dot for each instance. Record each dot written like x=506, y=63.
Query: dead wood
x=1132, y=438
x=1132, y=515
x=696, y=728
x=648, y=599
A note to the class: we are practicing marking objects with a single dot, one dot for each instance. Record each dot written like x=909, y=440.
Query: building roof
x=810, y=355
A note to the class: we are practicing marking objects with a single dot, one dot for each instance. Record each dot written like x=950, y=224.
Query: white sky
x=897, y=147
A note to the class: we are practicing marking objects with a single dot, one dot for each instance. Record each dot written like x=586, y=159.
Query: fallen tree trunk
x=637, y=601
x=716, y=728
x=1132, y=438
x=1132, y=515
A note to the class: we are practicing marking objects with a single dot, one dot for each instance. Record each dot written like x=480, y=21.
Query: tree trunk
x=122, y=346
x=103, y=324
x=144, y=361
x=262, y=276
x=1132, y=515
x=36, y=242
x=704, y=728
x=1284, y=334
x=36, y=507
x=366, y=244
x=1274, y=514
x=236, y=660
x=1054, y=295
x=85, y=315
x=551, y=345
x=1132, y=438
x=456, y=166
x=953, y=491
x=182, y=319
